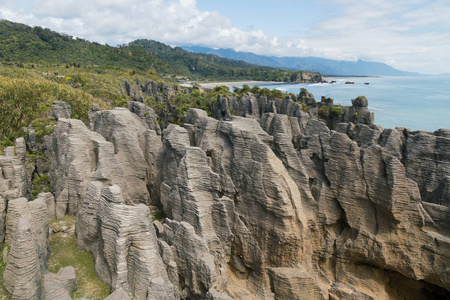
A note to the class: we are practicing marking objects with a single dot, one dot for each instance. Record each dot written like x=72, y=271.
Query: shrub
x=336, y=109
x=256, y=90
x=323, y=111
x=303, y=92
x=304, y=106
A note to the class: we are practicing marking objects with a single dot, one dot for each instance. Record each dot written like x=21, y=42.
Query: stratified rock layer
x=22, y=276
x=122, y=240
x=270, y=204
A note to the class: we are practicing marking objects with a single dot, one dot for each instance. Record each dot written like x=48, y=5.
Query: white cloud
x=408, y=34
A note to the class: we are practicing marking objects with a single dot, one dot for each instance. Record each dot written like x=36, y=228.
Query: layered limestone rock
x=137, y=149
x=2, y=220
x=294, y=283
x=272, y=203
x=77, y=156
x=39, y=223
x=123, y=151
x=427, y=161
x=22, y=276
x=358, y=112
x=378, y=214
x=13, y=173
x=301, y=110
x=240, y=202
x=356, y=205
x=122, y=240
x=145, y=113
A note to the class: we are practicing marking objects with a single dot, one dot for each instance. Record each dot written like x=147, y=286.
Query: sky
x=410, y=35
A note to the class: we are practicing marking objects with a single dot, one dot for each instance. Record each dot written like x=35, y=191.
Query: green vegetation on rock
x=323, y=111
x=336, y=109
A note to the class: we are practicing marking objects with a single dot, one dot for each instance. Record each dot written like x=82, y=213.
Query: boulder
x=60, y=110
x=59, y=286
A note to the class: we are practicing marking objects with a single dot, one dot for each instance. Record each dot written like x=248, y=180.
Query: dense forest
x=24, y=44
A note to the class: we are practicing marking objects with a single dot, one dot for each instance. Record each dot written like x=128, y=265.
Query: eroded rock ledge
x=268, y=203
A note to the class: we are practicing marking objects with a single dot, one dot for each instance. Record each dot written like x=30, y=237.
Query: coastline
x=211, y=85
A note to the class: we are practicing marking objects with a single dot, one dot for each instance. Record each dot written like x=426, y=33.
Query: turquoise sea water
x=419, y=103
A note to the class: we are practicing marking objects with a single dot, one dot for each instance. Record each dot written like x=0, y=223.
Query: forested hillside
x=200, y=65
x=24, y=44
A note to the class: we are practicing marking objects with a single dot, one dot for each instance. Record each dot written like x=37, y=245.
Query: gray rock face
x=60, y=110
x=22, y=276
x=59, y=286
x=221, y=110
x=289, y=283
x=358, y=112
x=39, y=223
x=268, y=204
x=146, y=114
x=16, y=209
x=379, y=203
x=49, y=199
x=131, y=138
x=77, y=156
x=251, y=106
x=122, y=240
x=427, y=161
x=2, y=220
x=13, y=173
x=349, y=199
x=232, y=161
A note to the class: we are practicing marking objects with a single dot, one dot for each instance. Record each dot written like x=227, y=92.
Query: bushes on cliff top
x=26, y=93
x=24, y=100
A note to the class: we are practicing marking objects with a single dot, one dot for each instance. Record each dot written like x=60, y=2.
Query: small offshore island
x=117, y=184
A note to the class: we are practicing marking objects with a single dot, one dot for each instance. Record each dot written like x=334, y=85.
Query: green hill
x=26, y=44
x=22, y=43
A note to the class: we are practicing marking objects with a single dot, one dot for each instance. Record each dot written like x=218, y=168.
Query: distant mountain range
x=322, y=65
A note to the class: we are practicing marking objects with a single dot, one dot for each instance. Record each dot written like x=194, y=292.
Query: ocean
x=418, y=103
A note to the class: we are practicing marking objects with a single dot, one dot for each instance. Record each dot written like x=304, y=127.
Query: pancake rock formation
x=270, y=199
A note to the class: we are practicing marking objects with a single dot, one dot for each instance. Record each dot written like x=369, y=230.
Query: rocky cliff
x=270, y=199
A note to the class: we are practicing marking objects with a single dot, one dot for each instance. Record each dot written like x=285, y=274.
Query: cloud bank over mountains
x=411, y=35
